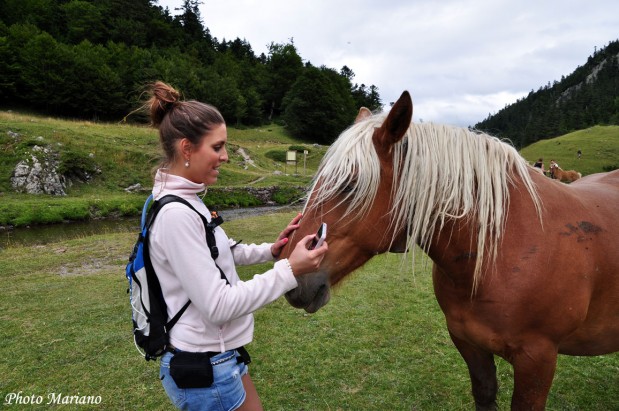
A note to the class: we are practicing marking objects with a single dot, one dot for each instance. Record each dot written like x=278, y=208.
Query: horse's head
x=553, y=168
x=353, y=194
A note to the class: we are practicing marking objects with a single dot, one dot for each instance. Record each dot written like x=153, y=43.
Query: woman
x=219, y=319
x=540, y=164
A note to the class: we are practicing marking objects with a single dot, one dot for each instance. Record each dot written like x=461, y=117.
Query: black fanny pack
x=192, y=369
x=195, y=370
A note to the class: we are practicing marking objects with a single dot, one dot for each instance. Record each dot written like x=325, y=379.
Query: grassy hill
x=599, y=146
x=116, y=156
x=104, y=159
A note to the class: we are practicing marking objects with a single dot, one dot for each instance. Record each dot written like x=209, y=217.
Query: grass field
x=117, y=156
x=599, y=146
x=380, y=344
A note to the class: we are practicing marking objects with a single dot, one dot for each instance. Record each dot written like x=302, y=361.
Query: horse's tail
x=573, y=175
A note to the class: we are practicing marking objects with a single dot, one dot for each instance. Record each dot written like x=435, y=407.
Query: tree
x=9, y=71
x=44, y=14
x=93, y=58
x=42, y=61
x=364, y=97
x=90, y=88
x=319, y=106
x=192, y=22
x=284, y=65
x=84, y=21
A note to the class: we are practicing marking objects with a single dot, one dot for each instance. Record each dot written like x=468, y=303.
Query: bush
x=78, y=166
x=286, y=195
x=277, y=155
x=222, y=198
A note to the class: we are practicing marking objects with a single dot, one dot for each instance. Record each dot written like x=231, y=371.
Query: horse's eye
x=349, y=188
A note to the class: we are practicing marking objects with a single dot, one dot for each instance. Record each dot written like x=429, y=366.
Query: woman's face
x=206, y=158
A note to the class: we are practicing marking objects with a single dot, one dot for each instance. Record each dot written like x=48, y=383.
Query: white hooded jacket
x=219, y=317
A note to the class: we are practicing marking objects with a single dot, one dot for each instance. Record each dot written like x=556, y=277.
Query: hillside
x=100, y=161
x=599, y=146
x=97, y=163
x=587, y=97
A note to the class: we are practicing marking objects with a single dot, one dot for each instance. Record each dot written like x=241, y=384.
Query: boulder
x=38, y=174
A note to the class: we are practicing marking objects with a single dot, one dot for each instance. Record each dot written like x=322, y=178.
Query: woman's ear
x=185, y=147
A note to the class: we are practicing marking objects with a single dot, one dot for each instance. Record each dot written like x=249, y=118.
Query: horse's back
x=596, y=187
x=610, y=178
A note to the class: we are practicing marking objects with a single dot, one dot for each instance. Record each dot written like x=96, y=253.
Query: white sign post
x=291, y=158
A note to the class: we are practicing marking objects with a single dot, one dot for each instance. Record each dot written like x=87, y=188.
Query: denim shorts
x=226, y=393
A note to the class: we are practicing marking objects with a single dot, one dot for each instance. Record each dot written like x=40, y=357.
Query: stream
x=44, y=234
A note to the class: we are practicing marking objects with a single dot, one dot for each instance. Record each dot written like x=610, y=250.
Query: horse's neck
x=454, y=246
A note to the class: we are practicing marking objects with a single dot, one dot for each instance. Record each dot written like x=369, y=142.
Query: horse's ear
x=363, y=114
x=396, y=124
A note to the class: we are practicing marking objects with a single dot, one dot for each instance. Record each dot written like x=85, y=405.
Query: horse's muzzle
x=312, y=293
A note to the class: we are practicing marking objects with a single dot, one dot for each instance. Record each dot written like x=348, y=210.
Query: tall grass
x=380, y=344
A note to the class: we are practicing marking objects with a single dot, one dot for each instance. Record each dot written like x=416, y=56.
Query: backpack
x=151, y=326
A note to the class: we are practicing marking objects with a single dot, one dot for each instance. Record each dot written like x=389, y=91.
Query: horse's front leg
x=534, y=365
x=483, y=374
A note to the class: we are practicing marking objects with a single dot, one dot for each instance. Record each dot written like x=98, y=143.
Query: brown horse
x=517, y=275
x=558, y=173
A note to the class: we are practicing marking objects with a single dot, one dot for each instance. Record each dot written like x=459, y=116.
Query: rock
x=246, y=159
x=136, y=188
x=39, y=174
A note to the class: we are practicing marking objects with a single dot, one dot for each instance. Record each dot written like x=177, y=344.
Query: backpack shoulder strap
x=210, y=241
x=208, y=227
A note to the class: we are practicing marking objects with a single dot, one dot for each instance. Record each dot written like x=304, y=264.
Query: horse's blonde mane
x=444, y=172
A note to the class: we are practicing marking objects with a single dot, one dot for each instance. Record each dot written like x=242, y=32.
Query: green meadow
x=599, y=146
x=380, y=344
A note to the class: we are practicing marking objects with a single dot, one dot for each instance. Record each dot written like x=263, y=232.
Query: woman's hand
x=304, y=261
x=283, y=238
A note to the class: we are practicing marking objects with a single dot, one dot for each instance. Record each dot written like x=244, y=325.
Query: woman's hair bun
x=163, y=99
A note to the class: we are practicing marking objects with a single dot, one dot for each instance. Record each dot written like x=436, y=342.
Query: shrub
x=277, y=155
x=286, y=195
x=75, y=165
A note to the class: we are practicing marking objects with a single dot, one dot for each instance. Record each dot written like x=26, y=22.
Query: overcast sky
x=460, y=59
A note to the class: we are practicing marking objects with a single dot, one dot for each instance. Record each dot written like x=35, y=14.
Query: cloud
x=460, y=60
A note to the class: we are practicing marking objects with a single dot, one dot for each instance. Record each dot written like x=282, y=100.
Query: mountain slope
x=599, y=146
x=587, y=97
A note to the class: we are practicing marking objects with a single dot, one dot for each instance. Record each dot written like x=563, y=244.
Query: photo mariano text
x=20, y=398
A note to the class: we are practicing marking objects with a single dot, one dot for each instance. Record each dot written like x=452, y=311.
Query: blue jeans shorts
x=226, y=393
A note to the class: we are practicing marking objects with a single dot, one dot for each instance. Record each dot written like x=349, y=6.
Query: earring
x=186, y=163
